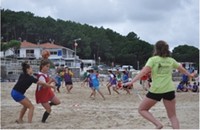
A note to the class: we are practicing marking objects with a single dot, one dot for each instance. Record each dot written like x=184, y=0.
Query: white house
x=59, y=55
x=29, y=50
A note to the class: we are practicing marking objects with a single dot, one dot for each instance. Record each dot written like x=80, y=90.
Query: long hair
x=161, y=49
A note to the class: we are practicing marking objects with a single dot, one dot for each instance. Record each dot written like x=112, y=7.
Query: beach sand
x=78, y=111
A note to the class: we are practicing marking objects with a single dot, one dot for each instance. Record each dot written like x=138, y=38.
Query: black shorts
x=68, y=83
x=158, y=97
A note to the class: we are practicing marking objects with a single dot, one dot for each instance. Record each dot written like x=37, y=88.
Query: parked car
x=103, y=67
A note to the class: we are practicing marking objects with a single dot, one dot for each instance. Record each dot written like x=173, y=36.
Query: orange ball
x=45, y=54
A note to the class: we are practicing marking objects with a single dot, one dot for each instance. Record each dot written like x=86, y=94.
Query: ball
x=45, y=54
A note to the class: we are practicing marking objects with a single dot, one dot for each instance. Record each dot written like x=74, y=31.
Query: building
x=60, y=56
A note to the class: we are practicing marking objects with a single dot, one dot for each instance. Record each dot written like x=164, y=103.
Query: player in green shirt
x=160, y=65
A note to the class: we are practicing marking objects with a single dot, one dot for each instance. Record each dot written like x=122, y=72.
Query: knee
x=58, y=102
x=140, y=110
x=48, y=110
x=31, y=107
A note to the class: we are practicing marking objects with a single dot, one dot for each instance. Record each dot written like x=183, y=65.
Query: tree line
x=95, y=42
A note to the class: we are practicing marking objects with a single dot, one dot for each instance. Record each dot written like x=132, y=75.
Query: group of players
x=160, y=65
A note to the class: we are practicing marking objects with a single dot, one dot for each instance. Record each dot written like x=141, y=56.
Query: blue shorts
x=17, y=96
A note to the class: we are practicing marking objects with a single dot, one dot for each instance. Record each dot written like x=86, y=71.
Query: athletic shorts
x=158, y=97
x=17, y=96
x=68, y=83
x=96, y=87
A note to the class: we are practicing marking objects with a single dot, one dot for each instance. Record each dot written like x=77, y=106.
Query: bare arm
x=184, y=71
x=45, y=84
x=144, y=71
x=51, y=80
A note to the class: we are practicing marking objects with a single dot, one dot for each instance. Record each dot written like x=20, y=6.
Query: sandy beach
x=78, y=111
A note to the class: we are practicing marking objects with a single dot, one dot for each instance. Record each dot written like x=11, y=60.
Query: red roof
x=26, y=44
x=50, y=46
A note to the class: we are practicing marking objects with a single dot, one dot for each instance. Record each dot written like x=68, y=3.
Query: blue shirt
x=180, y=87
x=58, y=80
x=125, y=78
x=94, y=79
x=184, y=78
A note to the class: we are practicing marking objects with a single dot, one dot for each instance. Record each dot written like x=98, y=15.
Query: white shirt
x=41, y=78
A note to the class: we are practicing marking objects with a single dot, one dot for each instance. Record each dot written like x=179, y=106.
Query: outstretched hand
x=192, y=75
x=128, y=84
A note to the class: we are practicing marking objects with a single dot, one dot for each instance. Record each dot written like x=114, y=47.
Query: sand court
x=78, y=111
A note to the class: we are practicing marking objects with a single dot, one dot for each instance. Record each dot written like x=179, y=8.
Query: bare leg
x=27, y=104
x=101, y=94
x=171, y=112
x=109, y=89
x=66, y=88
x=91, y=93
x=94, y=93
x=114, y=89
x=127, y=90
x=55, y=100
x=143, y=109
x=21, y=115
x=70, y=88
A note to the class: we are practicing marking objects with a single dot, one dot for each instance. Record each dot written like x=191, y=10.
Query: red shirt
x=43, y=94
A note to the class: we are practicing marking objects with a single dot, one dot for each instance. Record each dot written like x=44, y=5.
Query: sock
x=51, y=104
x=45, y=116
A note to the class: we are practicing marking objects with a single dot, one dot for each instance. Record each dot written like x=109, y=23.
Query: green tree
x=132, y=36
x=95, y=42
x=14, y=45
x=186, y=53
x=4, y=47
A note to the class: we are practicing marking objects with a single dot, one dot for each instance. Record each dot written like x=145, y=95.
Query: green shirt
x=118, y=76
x=161, y=72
